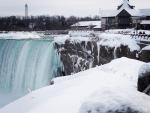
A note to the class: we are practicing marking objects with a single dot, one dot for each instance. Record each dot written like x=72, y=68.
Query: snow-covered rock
x=144, y=54
x=106, y=39
x=79, y=53
x=116, y=40
x=112, y=87
x=146, y=48
x=144, y=79
x=109, y=101
x=145, y=69
x=62, y=38
x=80, y=33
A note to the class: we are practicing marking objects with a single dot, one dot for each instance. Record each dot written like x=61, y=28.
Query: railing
x=140, y=37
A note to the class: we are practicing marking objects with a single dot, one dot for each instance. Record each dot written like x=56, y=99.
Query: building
x=145, y=24
x=87, y=25
x=125, y=16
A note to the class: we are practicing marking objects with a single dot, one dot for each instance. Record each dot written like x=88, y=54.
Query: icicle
x=115, y=53
x=98, y=51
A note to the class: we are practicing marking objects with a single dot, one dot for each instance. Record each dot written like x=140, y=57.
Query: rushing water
x=25, y=65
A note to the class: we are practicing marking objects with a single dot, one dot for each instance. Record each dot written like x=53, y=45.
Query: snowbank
x=62, y=38
x=111, y=102
x=105, y=39
x=105, y=88
x=19, y=35
x=80, y=33
x=127, y=31
x=116, y=40
x=146, y=48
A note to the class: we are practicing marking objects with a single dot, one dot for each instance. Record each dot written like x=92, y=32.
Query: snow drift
x=104, y=89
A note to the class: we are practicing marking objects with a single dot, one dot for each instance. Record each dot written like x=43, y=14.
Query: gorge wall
x=79, y=56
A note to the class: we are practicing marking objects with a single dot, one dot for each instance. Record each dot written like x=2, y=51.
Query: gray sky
x=63, y=7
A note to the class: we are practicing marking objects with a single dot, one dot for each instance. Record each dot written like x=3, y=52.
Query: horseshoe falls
x=25, y=65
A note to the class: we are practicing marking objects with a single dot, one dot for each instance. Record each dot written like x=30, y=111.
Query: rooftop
x=145, y=22
x=96, y=24
x=129, y=8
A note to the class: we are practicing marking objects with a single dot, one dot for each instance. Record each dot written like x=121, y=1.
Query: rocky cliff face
x=79, y=56
x=144, y=54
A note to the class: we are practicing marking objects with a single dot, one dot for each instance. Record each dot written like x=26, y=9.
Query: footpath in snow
x=104, y=89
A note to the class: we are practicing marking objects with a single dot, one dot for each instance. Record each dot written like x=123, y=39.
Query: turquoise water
x=25, y=65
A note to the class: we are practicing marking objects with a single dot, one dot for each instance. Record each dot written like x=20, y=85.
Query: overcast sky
x=63, y=7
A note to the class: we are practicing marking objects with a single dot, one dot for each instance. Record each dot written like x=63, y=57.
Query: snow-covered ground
x=79, y=35
x=105, y=88
x=20, y=35
x=127, y=31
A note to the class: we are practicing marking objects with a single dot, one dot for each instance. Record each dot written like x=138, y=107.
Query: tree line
x=40, y=23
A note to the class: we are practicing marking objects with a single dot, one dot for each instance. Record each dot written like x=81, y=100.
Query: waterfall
x=26, y=65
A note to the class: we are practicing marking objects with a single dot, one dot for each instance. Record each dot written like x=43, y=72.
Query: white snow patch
x=62, y=38
x=146, y=48
x=116, y=40
x=87, y=23
x=80, y=33
x=145, y=68
x=19, y=35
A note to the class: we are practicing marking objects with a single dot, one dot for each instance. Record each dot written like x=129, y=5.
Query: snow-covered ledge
x=80, y=52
